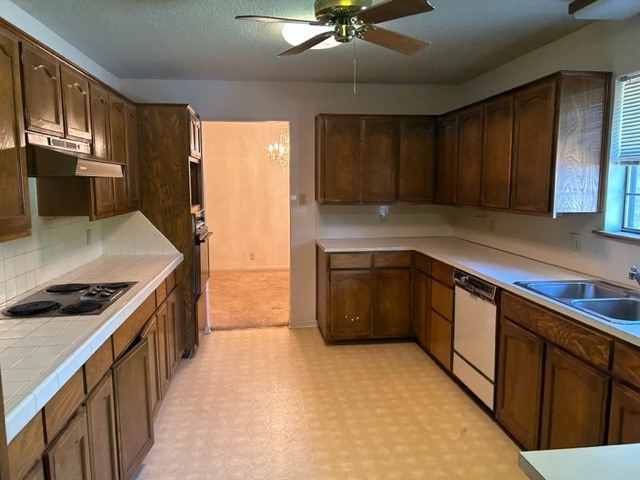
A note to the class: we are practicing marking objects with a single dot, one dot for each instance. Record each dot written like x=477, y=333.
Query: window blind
x=629, y=140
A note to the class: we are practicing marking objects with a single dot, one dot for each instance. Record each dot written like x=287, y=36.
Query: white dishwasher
x=474, y=338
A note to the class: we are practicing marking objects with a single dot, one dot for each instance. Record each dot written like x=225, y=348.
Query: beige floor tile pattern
x=280, y=404
x=248, y=299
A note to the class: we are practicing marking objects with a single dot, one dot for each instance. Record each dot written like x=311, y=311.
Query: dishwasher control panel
x=475, y=285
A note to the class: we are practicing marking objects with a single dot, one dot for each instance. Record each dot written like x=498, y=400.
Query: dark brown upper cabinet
x=417, y=159
x=376, y=159
x=469, y=157
x=496, y=153
x=195, y=135
x=41, y=75
x=447, y=160
x=15, y=216
x=118, y=136
x=131, y=172
x=76, y=103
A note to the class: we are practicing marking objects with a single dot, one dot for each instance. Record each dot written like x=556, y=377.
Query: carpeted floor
x=248, y=299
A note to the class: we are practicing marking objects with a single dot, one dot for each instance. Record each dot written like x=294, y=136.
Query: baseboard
x=311, y=323
x=249, y=269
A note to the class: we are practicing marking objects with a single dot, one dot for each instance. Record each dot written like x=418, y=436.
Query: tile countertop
x=38, y=355
x=496, y=266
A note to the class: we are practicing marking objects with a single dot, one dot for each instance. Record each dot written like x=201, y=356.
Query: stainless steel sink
x=627, y=309
x=574, y=289
x=609, y=302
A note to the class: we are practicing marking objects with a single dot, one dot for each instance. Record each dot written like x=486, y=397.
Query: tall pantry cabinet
x=169, y=146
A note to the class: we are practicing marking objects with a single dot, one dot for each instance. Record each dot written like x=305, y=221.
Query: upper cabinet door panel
x=132, y=174
x=379, y=160
x=15, y=219
x=77, y=104
x=532, y=147
x=469, y=157
x=496, y=153
x=100, y=121
x=417, y=160
x=118, y=138
x=42, y=92
x=339, y=166
x=446, y=160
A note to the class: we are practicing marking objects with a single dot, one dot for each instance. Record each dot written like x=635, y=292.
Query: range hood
x=54, y=157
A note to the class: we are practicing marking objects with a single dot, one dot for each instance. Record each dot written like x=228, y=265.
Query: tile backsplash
x=60, y=244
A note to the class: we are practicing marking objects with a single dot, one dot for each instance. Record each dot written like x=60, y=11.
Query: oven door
x=201, y=260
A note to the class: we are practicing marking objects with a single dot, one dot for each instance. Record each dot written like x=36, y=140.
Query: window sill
x=618, y=235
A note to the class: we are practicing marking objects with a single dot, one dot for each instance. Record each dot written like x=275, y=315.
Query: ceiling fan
x=352, y=19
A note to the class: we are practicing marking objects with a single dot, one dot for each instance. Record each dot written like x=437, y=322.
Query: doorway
x=247, y=209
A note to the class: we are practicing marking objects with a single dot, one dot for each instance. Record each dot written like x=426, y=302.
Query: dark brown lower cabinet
x=134, y=425
x=421, y=306
x=174, y=321
x=68, y=456
x=164, y=367
x=519, y=383
x=392, y=304
x=36, y=473
x=101, y=420
x=350, y=304
x=152, y=333
x=624, y=423
x=440, y=338
x=575, y=402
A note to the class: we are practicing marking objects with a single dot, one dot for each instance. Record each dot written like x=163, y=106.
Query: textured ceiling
x=199, y=39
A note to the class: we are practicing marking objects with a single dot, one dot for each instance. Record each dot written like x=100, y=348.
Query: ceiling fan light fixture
x=295, y=34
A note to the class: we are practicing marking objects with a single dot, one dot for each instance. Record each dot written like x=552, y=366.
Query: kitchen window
x=623, y=195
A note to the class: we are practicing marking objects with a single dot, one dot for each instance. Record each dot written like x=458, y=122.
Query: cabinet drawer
x=442, y=272
x=161, y=293
x=60, y=408
x=442, y=300
x=626, y=363
x=392, y=259
x=26, y=448
x=583, y=343
x=125, y=334
x=170, y=281
x=98, y=364
x=422, y=263
x=350, y=260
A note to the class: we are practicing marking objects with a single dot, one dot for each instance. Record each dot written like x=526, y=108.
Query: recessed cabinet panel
x=76, y=104
x=68, y=456
x=100, y=121
x=42, y=92
x=350, y=304
x=421, y=307
x=392, y=306
x=132, y=172
x=102, y=431
x=15, y=217
x=624, y=422
x=446, y=163
x=379, y=160
x=416, y=165
x=496, y=153
x=469, y=157
x=440, y=339
x=117, y=141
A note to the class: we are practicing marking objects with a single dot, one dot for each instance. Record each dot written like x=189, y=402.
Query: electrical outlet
x=383, y=211
x=575, y=242
x=491, y=224
x=252, y=256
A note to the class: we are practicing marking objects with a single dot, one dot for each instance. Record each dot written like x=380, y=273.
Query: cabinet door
x=68, y=456
x=117, y=141
x=15, y=217
x=379, y=160
x=76, y=103
x=519, y=383
x=173, y=328
x=392, y=302
x=101, y=419
x=131, y=173
x=416, y=165
x=100, y=121
x=42, y=92
x=134, y=425
x=338, y=160
x=469, y=157
x=445, y=181
x=496, y=153
x=350, y=304
x=575, y=402
x=624, y=423
x=36, y=473
x=532, y=148
x=440, y=338
x=420, y=307
x=164, y=363
x=151, y=333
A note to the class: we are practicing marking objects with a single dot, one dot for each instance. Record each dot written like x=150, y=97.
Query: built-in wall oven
x=474, y=338
x=201, y=270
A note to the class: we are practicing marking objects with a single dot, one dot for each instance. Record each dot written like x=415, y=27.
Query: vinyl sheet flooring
x=276, y=403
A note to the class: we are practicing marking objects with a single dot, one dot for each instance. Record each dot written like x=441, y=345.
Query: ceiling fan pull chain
x=355, y=66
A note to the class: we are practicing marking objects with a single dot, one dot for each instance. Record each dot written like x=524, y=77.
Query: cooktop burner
x=69, y=299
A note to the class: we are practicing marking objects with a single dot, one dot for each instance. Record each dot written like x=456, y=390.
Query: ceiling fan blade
x=267, y=19
x=395, y=41
x=392, y=9
x=304, y=46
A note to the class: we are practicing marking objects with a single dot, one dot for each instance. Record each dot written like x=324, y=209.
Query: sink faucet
x=633, y=274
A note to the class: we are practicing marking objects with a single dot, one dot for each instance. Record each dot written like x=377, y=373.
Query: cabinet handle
x=44, y=69
x=77, y=85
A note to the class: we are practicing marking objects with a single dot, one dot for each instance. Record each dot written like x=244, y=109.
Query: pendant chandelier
x=278, y=152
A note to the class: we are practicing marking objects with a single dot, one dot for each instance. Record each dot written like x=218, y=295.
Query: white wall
x=299, y=103
x=610, y=46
